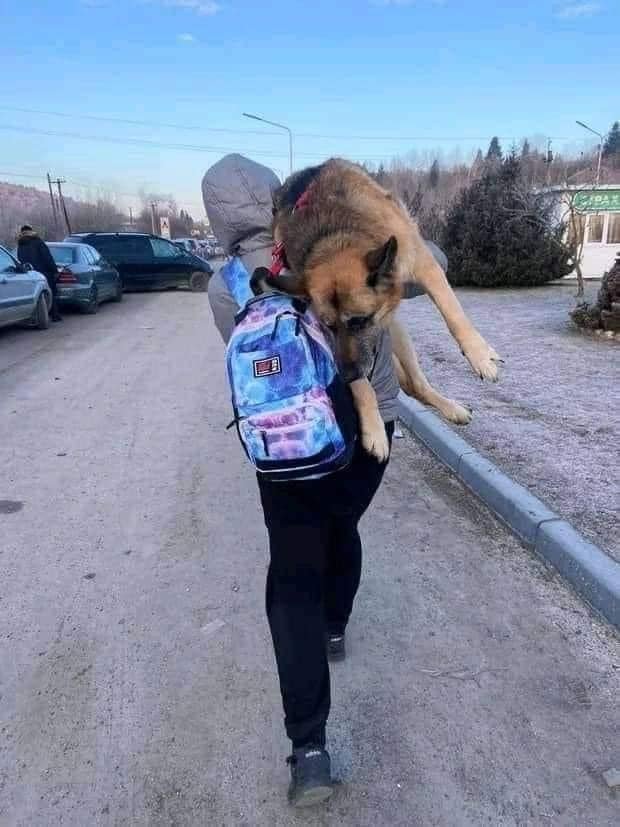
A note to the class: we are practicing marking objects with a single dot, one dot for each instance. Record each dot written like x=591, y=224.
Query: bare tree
x=566, y=224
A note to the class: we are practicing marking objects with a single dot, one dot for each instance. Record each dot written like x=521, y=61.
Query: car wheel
x=118, y=296
x=198, y=282
x=41, y=317
x=93, y=302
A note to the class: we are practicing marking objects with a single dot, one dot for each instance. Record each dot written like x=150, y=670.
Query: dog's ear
x=380, y=262
x=288, y=283
x=258, y=281
x=263, y=281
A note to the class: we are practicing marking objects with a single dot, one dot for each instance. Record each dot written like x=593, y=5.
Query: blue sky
x=378, y=78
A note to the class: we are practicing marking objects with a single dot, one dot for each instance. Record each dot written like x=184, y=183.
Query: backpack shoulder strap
x=237, y=280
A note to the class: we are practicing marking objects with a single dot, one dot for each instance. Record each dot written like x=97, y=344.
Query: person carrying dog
x=314, y=542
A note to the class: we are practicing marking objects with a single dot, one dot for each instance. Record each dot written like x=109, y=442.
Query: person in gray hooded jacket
x=315, y=547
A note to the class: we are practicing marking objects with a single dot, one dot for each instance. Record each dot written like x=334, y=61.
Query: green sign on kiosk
x=597, y=201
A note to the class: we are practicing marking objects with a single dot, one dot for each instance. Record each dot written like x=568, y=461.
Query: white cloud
x=186, y=37
x=396, y=3
x=203, y=7
x=572, y=11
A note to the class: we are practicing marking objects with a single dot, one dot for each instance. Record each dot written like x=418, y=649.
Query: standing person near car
x=31, y=249
x=314, y=542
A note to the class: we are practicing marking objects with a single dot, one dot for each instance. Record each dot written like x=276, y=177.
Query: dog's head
x=353, y=289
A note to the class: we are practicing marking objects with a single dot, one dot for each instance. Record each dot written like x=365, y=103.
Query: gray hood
x=237, y=194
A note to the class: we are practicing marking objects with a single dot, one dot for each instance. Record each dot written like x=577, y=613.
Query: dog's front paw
x=375, y=441
x=483, y=359
x=459, y=414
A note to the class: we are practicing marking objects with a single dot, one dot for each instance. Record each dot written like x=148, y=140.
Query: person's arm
x=411, y=289
x=48, y=265
x=223, y=306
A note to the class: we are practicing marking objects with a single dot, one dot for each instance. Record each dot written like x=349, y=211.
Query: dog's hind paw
x=375, y=441
x=483, y=359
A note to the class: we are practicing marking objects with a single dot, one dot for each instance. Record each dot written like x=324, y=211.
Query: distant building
x=598, y=215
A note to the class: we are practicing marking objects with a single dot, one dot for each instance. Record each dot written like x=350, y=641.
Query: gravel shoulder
x=553, y=420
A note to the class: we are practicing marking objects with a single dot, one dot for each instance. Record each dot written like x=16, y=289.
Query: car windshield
x=63, y=255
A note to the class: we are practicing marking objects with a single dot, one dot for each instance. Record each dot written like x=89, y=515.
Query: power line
x=415, y=137
x=42, y=177
x=216, y=150
x=22, y=175
x=94, y=186
x=313, y=135
x=133, y=141
x=145, y=142
x=131, y=122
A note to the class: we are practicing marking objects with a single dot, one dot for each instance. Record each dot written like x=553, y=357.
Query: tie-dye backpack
x=293, y=412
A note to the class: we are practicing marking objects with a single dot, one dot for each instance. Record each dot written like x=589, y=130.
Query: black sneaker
x=335, y=648
x=311, y=780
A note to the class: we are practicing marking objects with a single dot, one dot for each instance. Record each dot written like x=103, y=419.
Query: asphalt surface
x=137, y=682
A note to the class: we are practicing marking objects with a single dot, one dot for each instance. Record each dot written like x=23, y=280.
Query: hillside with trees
x=28, y=205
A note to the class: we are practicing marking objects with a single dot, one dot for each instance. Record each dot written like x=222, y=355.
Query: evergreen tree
x=495, y=150
x=433, y=175
x=612, y=142
x=497, y=234
x=381, y=175
x=526, y=149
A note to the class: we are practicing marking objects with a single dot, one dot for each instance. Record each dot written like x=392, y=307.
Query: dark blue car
x=146, y=261
x=85, y=278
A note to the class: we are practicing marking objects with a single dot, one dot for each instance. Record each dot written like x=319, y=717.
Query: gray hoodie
x=237, y=195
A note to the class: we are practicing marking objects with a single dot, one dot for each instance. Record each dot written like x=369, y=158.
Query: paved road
x=137, y=684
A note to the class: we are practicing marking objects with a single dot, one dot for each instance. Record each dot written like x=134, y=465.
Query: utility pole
x=59, y=182
x=130, y=217
x=54, y=213
x=154, y=222
x=601, y=138
x=549, y=160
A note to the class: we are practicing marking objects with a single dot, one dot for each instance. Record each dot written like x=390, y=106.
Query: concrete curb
x=593, y=574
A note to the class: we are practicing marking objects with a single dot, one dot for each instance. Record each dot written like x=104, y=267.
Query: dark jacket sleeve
x=48, y=265
x=35, y=252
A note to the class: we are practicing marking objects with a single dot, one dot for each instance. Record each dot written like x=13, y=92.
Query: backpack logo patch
x=267, y=367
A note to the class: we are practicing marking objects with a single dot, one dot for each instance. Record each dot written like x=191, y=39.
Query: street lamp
x=600, y=148
x=279, y=126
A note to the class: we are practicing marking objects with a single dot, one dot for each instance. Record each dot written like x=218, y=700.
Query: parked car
x=146, y=261
x=25, y=295
x=85, y=278
x=188, y=245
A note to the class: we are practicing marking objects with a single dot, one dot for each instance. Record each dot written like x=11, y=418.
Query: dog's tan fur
x=351, y=249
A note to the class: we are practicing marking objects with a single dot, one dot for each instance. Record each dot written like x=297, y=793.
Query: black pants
x=314, y=574
x=51, y=280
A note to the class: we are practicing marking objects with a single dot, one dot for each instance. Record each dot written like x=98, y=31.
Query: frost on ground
x=552, y=420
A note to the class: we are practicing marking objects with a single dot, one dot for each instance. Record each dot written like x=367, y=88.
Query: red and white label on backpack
x=267, y=367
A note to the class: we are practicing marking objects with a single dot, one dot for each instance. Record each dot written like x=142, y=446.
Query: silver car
x=25, y=295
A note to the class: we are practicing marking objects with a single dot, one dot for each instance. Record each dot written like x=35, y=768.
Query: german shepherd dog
x=351, y=247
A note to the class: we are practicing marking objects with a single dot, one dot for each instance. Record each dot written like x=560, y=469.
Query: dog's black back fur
x=286, y=196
